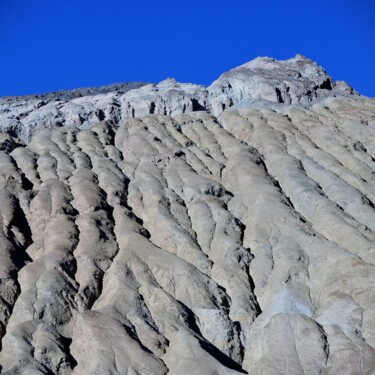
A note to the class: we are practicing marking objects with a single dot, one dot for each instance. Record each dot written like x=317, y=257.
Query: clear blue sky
x=50, y=45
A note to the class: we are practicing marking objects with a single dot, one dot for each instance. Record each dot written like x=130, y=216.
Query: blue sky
x=50, y=45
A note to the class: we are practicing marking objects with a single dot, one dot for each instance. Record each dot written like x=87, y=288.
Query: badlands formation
x=181, y=229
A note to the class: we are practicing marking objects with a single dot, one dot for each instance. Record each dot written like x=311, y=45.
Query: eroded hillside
x=219, y=230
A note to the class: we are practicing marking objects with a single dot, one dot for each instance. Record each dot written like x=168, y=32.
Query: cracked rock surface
x=178, y=229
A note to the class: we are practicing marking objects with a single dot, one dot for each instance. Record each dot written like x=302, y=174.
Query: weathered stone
x=180, y=229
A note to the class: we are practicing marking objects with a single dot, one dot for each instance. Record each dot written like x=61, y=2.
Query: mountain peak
x=296, y=81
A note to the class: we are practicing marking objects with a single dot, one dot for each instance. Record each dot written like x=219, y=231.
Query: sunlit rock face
x=294, y=81
x=180, y=229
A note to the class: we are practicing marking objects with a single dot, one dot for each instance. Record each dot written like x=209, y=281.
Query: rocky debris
x=294, y=81
x=182, y=242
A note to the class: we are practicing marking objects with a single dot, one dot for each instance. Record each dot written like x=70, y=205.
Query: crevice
x=221, y=357
x=324, y=336
x=196, y=106
x=20, y=256
x=66, y=342
x=100, y=114
x=152, y=108
x=254, y=301
x=279, y=96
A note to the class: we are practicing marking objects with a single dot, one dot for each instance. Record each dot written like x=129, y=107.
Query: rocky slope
x=298, y=80
x=183, y=229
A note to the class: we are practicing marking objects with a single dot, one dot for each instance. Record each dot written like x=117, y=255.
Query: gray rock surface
x=294, y=81
x=175, y=235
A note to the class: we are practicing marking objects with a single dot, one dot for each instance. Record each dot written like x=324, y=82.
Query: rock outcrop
x=294, y=81
x=180, y=229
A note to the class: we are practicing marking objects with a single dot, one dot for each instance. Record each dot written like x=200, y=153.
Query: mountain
x=177, y=229
x=295, y=81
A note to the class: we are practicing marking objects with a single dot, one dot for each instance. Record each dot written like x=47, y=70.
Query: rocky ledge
x=182, y=229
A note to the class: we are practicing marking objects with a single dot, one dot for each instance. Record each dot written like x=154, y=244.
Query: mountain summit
x=294, y=81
